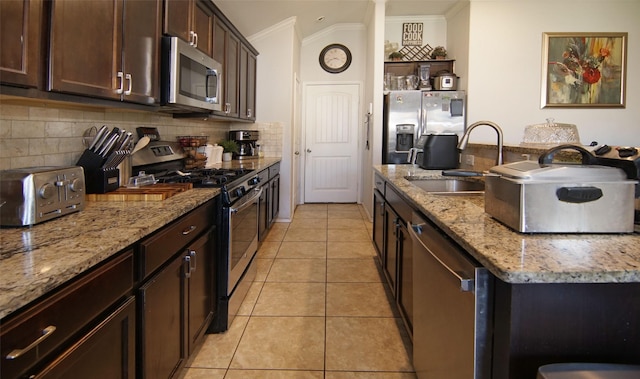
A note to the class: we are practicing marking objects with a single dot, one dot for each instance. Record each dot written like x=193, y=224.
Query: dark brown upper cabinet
x=20, y=37
x=106, y=49
x=191, y=21
x=227, y=52
x=247, y=83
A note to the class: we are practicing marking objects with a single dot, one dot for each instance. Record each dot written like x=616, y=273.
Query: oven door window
x=244, y=230
x=198, y=81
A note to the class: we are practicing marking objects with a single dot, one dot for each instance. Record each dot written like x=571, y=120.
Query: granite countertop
x=35, y=260
x=517, y=257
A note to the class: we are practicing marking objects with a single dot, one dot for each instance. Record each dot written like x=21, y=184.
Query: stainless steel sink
x=449, y=186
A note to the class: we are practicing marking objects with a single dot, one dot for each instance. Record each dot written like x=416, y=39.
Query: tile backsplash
x=44, y=134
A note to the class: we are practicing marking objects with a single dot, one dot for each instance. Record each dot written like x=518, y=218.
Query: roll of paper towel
x=213, y=153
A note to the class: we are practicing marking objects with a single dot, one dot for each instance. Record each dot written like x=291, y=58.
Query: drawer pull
x=46, y=332
x=188, y=230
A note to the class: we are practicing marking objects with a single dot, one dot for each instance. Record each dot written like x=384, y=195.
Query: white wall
x=352, y=36
x=505, y=55
x=373, y=87
x=434, y=33
x=277, y=64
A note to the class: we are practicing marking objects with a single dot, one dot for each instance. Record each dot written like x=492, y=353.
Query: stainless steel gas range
x=236, y=219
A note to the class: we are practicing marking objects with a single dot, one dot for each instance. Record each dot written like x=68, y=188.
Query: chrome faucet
x=465, y=138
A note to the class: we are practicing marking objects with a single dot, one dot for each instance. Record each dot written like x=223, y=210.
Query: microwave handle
x=211, y=73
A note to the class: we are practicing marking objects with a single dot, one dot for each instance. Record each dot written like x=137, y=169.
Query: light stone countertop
x=35, y=260
x=517, y=257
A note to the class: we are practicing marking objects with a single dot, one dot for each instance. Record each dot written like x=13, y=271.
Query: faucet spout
x=465, y=138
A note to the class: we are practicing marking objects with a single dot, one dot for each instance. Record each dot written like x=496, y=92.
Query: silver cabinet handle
x=187, y=266
x=193, y=39
x=466, y=284
x=227, y=108
x=308, y=150
x=249, y=112
x=193, y=254
x=188, y=230
x=46, y=332
x=128, y=91
x=120, y=89
x=297, y=153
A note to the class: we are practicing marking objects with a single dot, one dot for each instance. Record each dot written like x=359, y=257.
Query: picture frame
x=584, y=70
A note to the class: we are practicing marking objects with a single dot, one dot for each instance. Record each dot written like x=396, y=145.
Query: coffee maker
x=246, y=140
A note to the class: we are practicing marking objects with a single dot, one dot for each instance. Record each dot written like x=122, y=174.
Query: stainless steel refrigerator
x=408, y=115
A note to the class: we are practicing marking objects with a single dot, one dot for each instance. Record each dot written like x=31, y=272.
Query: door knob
x=308, y=150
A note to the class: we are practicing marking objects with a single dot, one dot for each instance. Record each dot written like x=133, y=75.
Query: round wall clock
x=335, y=58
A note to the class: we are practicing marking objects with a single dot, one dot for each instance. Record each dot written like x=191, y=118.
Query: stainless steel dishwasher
x=452, y=325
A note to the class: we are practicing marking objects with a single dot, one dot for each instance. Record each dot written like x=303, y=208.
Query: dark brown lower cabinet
x=378, y=223
x=106, y=352
x=176, y=307
x=538, y=324
x=161, y=324
x=390, y=262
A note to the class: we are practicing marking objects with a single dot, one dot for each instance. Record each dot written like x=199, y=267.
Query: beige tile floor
x=318, y=309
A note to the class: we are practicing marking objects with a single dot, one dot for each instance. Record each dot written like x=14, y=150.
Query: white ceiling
x=253, y=16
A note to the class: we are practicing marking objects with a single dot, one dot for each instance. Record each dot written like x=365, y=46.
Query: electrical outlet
x=469, y=159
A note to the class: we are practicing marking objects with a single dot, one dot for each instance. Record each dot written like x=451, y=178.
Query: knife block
x=97, y=178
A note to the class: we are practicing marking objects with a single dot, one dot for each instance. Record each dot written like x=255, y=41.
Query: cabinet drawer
x=379, y=184
x=264, y=176
x=156, y=250
x=55, y=319
x=274, y=170
x=399, y=204
x=105, y=352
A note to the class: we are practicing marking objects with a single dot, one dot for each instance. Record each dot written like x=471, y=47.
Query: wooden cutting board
x=154, y=192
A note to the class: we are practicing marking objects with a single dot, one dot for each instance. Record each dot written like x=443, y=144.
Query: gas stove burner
x=205, y=177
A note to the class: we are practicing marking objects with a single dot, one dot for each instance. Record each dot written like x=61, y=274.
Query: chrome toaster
x=35, y=194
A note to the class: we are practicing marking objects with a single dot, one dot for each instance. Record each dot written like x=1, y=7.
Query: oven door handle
x=247, y=203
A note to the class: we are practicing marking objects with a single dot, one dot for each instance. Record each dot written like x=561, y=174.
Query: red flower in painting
x=584, y=67
x=591, y=75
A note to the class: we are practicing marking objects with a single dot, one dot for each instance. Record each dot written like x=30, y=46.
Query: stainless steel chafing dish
x=539, y=197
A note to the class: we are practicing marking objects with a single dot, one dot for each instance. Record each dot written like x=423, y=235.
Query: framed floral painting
x=583, y=70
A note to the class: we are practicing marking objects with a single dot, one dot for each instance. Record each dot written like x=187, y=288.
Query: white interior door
x=331, y=143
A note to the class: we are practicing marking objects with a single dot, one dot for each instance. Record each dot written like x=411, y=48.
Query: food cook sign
x=412, y=33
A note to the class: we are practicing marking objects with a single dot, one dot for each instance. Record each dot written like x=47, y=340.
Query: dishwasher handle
x=466, y=284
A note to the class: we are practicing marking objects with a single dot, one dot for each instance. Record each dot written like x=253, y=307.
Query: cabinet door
x=141, y=47
x=275, y=199
x=378, y=224
x=226, y=51
x=20, y=38
x=251, y=86
x=263, y=212
x=106, y=352
x=162, y=301
x=405, y=292
x=200, y=305
x=390, y=263
x=177, y=18
x=202, y=25
x=247, y=81
x=231, y=76
x=86, y=47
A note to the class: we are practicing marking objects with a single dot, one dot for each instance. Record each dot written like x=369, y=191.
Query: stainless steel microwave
x=191, y=80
